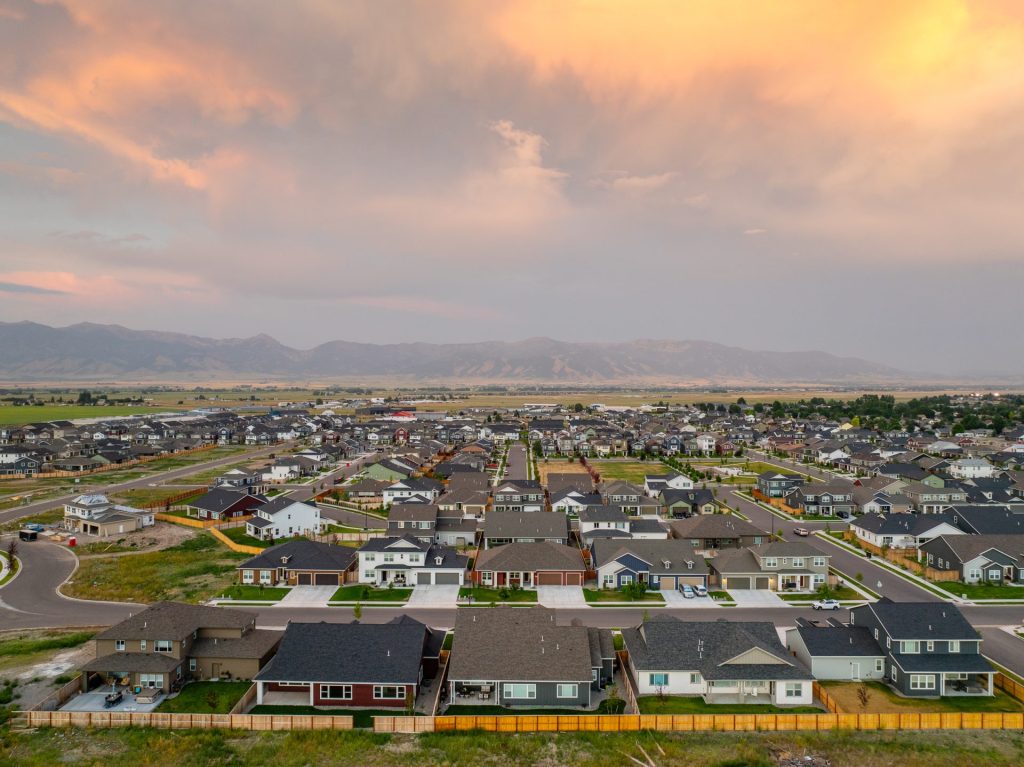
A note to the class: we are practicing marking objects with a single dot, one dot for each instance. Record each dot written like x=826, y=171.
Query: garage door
x=761, y=583
x=574, y=579
x=447, y=578
x=693, y=580
x=326, y=579
x=305, y=579
x=549, y=579
x=667, y=583
x=423, y=579
x=737, y=583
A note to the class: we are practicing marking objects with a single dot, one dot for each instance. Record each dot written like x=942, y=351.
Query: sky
x=843, y=176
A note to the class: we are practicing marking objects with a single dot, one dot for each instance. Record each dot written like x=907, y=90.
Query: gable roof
x=526, y=524
x=303, y=554
x=715, y=526
x=175, y=620
x=530, y=557
x=920, y=620
x=675, y=551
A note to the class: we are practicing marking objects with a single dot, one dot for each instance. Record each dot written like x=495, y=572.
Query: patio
x=96, y=701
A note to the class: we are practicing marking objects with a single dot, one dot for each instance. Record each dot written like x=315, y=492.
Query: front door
x=855, y=672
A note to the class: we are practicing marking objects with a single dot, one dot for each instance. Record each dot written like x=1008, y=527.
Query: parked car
x=803, y=532
x=687, y=590
x=826, y=604
x=843, y=514
x=27, y=535
x=700, y=591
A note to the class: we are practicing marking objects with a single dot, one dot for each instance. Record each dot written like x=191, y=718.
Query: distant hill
x=88, y=352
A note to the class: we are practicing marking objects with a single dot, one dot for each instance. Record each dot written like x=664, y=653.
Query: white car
x=700, y=591
x=826, y=604
x=687, y=590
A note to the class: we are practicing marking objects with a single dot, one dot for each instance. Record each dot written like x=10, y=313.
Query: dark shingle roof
x=920, y=620
x=362, y=653
x=838, y=640
x=303, y=555
x=543, y=555
x=526, y=524
x=175, y=620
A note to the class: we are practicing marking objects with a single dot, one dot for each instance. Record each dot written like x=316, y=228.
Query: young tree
x=863, y=697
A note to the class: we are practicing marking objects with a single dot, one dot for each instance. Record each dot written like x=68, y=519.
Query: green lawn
x=843, y=592
x=883, y=700
x=672, y=704
x=195, y=569
x=253, y=593
x=630, y=471
x=722, y=596
x=145, y=495
x=362, y=593
x=498, y=595
x=12, y=568
x=982, y=590
x=13, y=414
x=205, y=698
x=22, y=650
x=239, y=536
x=615, y=595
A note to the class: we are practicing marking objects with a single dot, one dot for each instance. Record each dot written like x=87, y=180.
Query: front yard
x=882, y=700
x=680, y=704
x=498, y=595
x=982, y=590
x=194, y=570
x=358, y=592
x=616, y=595
x=842, y=593
x=205, y=698
x=248, y=592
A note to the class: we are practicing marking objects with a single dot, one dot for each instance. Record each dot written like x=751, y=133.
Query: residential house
x=778, y=566
x=520, y=495
x=160, y=647
x=978, y=558
x=504, y=527
x=930, y=648
x=826, y=499
x=223, y=504
x=382, y=666
x=929, y=500
x=97, y=515
x=528, y=565
x=687, y=503
x=522, y=657
x=837, y=651
x=774, y=484
x=723, y=662
x=709, y=533
x=405, y=489
x=654, y=484
x=902, y=531
x=662, y=565
x=299, y=563
x=407, y=561
x=597, y=522
x=283, y=517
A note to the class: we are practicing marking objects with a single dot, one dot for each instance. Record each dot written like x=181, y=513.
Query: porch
x=967, y=684
x=744, y=692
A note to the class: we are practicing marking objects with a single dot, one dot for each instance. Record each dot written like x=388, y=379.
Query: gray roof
x=515, y=644
x=138, y=662
x=838, y=640
x=526, y=524
x=252, y=644
x=542, y=555
x=303, y=555
x=715, y=526
x=920, y=620
x=788, y=549
x=599, y=513
x=967, y=547
x=901, y=523
x=374, y=653
x=664, y=643
x=655, y=552
x=221, y=499
x=176, y=620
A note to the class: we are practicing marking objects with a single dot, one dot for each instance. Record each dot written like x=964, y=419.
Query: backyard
x=205, y=698
x=191, y=571
x=678, y=704
x=882, y=700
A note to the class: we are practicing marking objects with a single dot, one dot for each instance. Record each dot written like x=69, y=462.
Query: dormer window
x=438, y=560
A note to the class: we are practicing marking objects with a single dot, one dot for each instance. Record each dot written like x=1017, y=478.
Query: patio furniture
x=111, y=699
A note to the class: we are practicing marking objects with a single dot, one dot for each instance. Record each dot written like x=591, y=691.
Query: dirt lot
x=162, y=535
x=557, y=467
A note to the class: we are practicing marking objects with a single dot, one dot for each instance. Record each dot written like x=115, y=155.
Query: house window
x=876, y=630
x=771, y=562
x=521, y=691
x=151, y=680
x=486, y=577
x=658, y=680
x=931, y=646
x=368, y=575
x=191, y=664
x=246, y=576
x=388, y=692
x=694, y=678
x=567, y=691
x=369, y=557
x=626, y=579
x=888, y=643
x=798, y=561
x=954, y=646
x=819, y=561
x=892, y=673
x=119, y=645
x=265, y=576
x=162, y=645
x=910, y=648
x=974, y=575
x=922, y=682
x=142, y=645
x=757, y=540
x=336, y=692
x=794, y=689
x=608, y=580
x=879, y=665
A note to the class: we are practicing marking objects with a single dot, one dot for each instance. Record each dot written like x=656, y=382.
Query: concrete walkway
x=676, y=599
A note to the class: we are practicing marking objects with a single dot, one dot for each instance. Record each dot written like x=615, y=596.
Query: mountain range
x=90, y=352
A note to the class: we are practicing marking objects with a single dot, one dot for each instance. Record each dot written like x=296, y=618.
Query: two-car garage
x=559, y=579
x=745, y=582
x=439, y=579
x=319, y=579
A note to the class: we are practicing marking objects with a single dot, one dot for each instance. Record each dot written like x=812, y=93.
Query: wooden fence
x=180, y=721
x=59, y=697
x=1011, y=687
x=700, y=722
x=204, y=524
x=239, y=547
x=827, y=700
x=166, y=503
x=905, y=557
x=244, y=702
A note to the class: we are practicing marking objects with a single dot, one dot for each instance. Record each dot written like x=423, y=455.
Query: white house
x=902, y=530
x=971, y=468
x=407, y=561
x=284, y=517
x=408, y=488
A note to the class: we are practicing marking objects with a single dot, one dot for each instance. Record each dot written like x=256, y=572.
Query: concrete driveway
x=756, y=598
x=675, y=598
x=433, y=595
x=308, y=596
x=561, y=596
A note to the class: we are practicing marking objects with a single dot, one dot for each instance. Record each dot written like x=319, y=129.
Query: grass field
x=882, y=700
x=166, y=748
x=22, y=649
x=205, y=698
x=982, y=590
x=11, y=414
x=671, y=704
x=630, y=471
x=143, y=495
x=191, y=571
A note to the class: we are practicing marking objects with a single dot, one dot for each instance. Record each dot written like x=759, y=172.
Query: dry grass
x=883, y=701
x=557, y=466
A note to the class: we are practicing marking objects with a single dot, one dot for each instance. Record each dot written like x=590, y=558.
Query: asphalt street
x=515, y=464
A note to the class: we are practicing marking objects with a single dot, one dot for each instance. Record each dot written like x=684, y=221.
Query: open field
x=165, y=748
x=630, y=471
x=882, y=700
x=193, y=570
x=12, y=414
x=557, y=466
x=21, y=650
